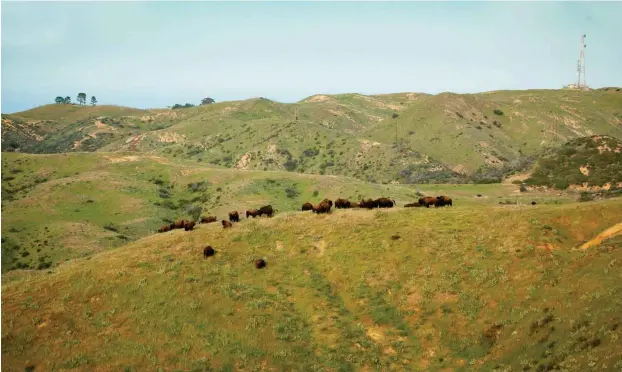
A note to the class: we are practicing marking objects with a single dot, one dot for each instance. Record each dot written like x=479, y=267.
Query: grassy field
x=440, y=138
x=58, y=207
x=473, y=287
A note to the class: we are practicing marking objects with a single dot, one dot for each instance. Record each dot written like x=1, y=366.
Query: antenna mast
x=581, y=64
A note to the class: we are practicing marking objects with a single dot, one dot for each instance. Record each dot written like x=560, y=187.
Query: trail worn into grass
x=605, y=235
x=462, y=288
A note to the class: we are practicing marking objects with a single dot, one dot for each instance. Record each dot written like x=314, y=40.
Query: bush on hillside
x=498, y=112
x=194, y=211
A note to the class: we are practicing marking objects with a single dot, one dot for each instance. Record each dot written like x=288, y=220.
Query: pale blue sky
x=154, y=54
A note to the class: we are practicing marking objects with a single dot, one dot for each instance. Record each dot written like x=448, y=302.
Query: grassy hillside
x=466, y=288
x=58, y=207
x=585, y=162
x=68, y=128
x=440, y=138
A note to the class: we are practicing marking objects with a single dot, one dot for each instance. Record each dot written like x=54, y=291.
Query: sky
x=156, y=54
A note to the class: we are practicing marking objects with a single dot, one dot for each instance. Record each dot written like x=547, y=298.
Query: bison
x=209, y=219
x=412, y=205
x=252, y=213
x=443, y=200
x=208, y=251
x=342, y=203
x=323, y=207
x=267, y=210
x=385, y=202
x=260, y=263
x=369, y=204
x=179, y=224
x=166, y=228
x=307, y=207
x=226, y=224
x=234, y=216
x=189, y=225
x=533, y=203
x=428, y=201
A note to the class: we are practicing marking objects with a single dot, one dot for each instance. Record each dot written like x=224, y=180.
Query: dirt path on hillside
x=607, y=234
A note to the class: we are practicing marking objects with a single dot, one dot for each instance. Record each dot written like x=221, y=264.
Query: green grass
x=58, y=207
x=441, y=138
x=473, y=287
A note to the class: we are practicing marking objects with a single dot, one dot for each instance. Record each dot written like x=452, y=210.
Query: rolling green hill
x=440, y=138
x=61, y=206
x=583, y=163
x=463, y=288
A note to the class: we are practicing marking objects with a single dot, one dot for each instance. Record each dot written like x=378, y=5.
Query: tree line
x=204, y=101
x=81, y=99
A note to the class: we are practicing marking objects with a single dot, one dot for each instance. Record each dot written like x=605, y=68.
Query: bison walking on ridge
x=252, y=213
x=260, y=263
x=189, y=225
x=209, y=219
x=428, y=201
x=443, y=200
x=267, y=210
x=234, y=216
x=226, y=224
x=166, y=228
x=307, y=207
x=385, y=203
x=342, y=203
x=323, y=207
x=179, y=224
x=369, y=204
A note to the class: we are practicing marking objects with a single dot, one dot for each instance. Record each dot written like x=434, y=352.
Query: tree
x=68, y=100
x=59, y=100
x=93, y=100
x=82, y=98
x=207, y=101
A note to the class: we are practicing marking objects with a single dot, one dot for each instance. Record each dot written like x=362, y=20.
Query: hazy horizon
x=156, y=54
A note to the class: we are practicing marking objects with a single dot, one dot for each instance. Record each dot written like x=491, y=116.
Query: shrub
x=194, y=211
x=498, y=112
x=111, y=227
x=291, y=192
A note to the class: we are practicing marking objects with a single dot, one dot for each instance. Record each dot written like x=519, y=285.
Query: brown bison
x=369, y=204
x=166, y=228
x=189, y=225
x=226, y=224
x=412, y=205
x=252, y=213
x=260, y=263
x=342, y=203
x=533, y=203
x=443, y=200
x=179, y=224
x=267, y=210
x=307, y=207
x=208, y=251
x=428, y=201
x=385, y=203
x=234, y=216
x=323, y=207
x=209, y=219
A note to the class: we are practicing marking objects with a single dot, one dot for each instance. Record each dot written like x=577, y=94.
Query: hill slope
x=460, y=289
x=441, y=138
x=585, y=162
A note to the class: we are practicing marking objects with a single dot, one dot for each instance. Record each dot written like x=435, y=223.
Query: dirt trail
x=607, y=234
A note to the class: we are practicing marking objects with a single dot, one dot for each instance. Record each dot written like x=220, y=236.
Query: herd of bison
x=323, y=207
